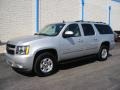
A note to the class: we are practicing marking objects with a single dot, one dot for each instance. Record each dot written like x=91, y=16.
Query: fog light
x=19, y=66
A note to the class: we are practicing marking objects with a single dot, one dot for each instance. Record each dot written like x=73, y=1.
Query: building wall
x=58, y=10
x=97, y=10
x=70, y=10
x=115, y=15
x=16, y=18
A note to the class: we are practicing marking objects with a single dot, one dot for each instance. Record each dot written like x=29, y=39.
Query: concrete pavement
x=86, y=74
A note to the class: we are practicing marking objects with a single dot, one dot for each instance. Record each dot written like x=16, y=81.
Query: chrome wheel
x=104, y=53
x=46, y=65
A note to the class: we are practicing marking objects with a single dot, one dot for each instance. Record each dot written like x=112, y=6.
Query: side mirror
x=68, y=34
x=35, y=33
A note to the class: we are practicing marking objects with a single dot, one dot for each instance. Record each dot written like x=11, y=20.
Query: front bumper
x=24, y=62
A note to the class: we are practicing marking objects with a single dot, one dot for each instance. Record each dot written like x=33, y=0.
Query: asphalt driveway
x=85, y=74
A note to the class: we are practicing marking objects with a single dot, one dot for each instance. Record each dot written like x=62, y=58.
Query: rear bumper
x=24, y=62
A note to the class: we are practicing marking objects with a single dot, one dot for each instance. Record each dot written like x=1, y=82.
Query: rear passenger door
x=90, y=39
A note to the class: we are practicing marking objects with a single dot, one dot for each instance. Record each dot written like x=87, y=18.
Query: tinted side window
x=74, y=28
x=88, y=29
x=103, y=29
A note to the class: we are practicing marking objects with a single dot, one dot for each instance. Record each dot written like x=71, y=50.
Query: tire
x=103, y=53
x=45, y=64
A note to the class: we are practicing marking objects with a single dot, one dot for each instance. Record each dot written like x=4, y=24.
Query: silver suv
x=57, y=42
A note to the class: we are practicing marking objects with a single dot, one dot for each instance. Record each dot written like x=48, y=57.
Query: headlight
x=22, y=50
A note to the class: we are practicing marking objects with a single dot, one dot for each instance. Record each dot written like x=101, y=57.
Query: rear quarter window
x=104, y=29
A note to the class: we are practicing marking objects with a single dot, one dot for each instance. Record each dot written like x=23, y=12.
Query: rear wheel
x=45, y=64
x=103, y=53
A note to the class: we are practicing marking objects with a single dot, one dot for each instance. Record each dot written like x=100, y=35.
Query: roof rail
x=89, y=21
x=79, y=21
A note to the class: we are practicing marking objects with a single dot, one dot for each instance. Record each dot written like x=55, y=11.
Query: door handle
x=95, y=39
x=80, y=41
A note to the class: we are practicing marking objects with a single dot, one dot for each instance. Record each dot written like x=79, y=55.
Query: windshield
x=51, y=30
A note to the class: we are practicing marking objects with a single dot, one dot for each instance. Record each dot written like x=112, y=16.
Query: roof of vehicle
x=80, y=21
x=85, y=22
x=91, y=22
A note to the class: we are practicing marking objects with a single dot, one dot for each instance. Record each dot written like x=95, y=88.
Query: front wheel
x=103, y=53
x=45, y=64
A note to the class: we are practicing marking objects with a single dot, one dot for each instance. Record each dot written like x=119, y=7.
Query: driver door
x=70, y=47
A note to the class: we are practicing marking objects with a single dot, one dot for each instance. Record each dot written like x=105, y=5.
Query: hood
x=26, y=39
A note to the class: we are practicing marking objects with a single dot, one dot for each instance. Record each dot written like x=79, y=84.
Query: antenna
x=63, y=21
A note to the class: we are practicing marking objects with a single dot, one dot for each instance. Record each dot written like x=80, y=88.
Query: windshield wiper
x=42, y=34
x=36, y=34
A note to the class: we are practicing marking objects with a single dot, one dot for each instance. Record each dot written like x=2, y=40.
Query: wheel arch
x=50, y=50
x=106, y=43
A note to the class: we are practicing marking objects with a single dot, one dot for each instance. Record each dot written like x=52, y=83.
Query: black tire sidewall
x=37, y=69
x=100, y=53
